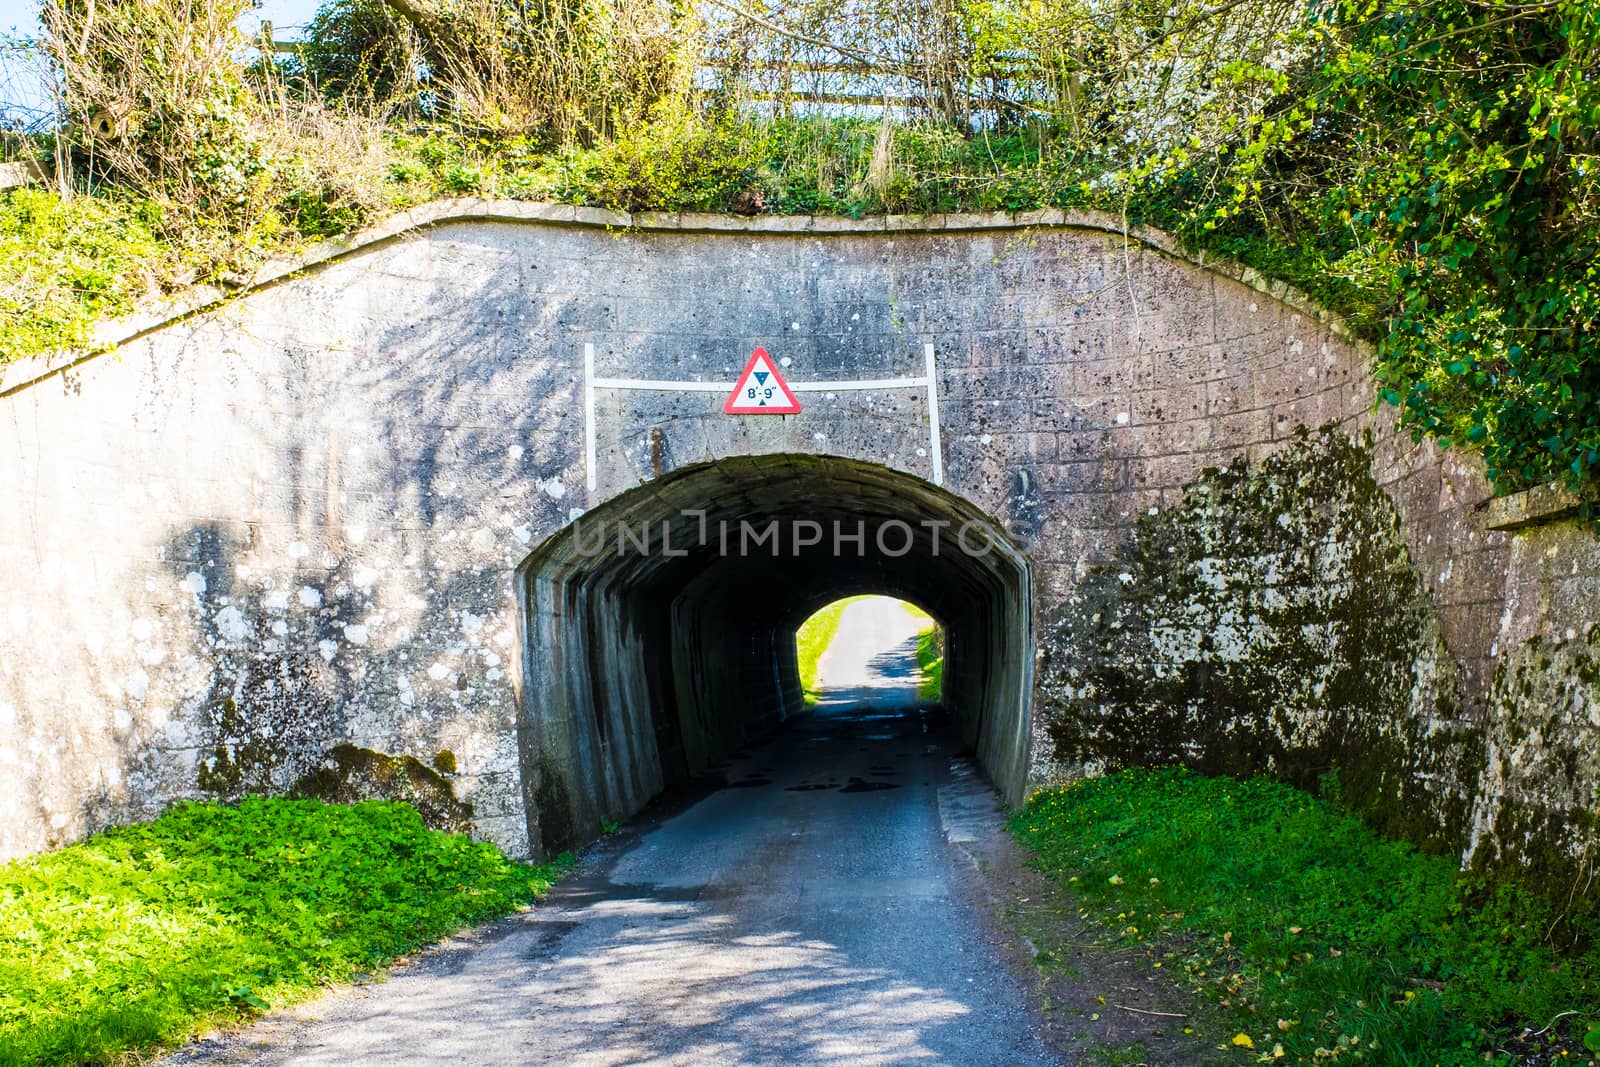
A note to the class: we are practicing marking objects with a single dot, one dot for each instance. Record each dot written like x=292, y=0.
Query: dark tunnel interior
x=658, y=628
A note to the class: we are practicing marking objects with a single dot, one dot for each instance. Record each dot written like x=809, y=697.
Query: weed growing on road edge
x=1319, y=940
x=146, y=934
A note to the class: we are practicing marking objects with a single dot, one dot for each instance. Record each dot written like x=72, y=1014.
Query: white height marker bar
x=590, y=465
x=934, y=445
x=857, y=384
x=927, y=380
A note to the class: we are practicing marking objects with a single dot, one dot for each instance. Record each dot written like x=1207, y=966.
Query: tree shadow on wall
x=274, y=716
x=451, y=429
x=475, y=402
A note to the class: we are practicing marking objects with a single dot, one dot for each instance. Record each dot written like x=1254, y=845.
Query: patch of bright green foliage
x=145, y=934
x=930, y=654
x=67, y=264
x=1308, y=930
x=1432, y=175
x=930, y=658
x=812, y=639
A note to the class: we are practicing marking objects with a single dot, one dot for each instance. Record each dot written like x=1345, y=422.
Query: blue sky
x=20, y=88
x=22, y=16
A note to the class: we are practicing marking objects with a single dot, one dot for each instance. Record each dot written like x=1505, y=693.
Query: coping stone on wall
x=110, y=335
x=1531, y=507
x=25, y=172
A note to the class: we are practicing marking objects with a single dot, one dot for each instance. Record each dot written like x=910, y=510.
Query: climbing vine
x=1433, y=171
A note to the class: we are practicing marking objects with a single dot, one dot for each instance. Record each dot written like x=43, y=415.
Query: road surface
x=808, y=910
x=872, y=659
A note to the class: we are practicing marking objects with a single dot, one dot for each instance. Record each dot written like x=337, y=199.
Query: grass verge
x=147, y=934
x=1315, y=939
x=930, y=654
x=930, y=657
x=813, y=639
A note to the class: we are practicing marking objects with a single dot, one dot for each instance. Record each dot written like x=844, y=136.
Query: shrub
x=156, y=99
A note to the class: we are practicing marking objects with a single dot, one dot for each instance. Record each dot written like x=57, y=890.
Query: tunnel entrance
x=870, y=651
x=658, y=629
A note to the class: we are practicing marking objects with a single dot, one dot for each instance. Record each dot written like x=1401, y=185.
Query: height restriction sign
x=761, y=390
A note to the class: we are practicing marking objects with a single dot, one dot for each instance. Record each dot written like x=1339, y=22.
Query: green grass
x=813, y=639
x=1307, y=931
x=144, y=935
x=930, y=653
x=930, y=657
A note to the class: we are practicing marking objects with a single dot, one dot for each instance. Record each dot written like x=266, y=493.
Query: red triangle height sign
x=761, y=390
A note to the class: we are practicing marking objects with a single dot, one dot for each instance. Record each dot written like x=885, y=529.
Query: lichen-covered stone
x=1539, y=810
x=1272, y=622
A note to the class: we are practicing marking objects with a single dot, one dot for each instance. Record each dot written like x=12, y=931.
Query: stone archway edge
x=113, y=334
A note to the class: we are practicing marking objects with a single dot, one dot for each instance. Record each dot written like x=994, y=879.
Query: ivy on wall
x=1434, y=173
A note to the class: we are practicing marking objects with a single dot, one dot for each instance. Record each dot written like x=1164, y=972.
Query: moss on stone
x=1540, y=813
x=265, y=722
x=553, y=800
x=1270, y=623
x=350, y=773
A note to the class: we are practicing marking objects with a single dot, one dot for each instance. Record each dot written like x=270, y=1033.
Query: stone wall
x=1539, y=805
x=293, y=522
x=1271, y=621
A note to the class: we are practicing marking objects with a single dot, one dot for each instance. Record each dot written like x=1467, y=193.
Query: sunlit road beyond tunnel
x=872, y=660
x=804, y=907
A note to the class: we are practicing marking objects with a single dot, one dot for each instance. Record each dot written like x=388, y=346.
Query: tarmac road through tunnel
x=805, y=908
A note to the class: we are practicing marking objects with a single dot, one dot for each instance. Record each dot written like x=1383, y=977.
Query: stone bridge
x=443, y=512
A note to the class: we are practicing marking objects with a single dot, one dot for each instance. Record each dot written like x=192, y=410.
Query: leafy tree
x=1432, y=169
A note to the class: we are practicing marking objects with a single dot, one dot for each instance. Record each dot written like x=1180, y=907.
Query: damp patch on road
x=862, y=785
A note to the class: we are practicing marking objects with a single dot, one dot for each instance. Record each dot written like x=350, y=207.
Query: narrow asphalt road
x=809, y=910
x=872, y=660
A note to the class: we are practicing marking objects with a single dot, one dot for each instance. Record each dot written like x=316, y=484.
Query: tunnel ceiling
x=666, y=618
x=789, y=489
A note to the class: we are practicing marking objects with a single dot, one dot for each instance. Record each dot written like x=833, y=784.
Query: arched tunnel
x=658, y=628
